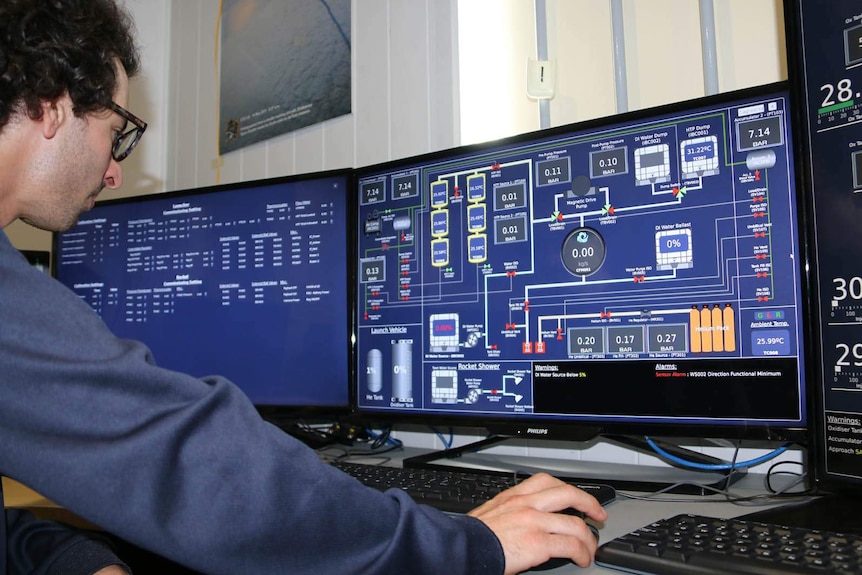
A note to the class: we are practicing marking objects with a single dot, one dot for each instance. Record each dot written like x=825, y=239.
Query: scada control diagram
x=648, y=246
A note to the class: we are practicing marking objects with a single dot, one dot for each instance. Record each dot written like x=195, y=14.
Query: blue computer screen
x=248, y=281
x=637, y=270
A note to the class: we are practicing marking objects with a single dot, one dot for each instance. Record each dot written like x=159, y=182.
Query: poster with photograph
x=285, y=65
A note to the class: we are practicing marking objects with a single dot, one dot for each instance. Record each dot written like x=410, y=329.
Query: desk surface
x=627, y=514
x=17, y=495
x=624, y=515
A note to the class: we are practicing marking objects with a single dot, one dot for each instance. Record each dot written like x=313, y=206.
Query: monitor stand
x=631, y=477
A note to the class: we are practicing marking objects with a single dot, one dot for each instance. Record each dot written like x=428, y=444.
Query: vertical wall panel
x=185, y=60
x=408, y=76
x=666, y=63
x=442, y=74
x=371, y=81
x=280, y=157
x=207, y=104
x=581, y=44
x=308, y=153
x=253, y=162
x=338, y=146
x=750, y=53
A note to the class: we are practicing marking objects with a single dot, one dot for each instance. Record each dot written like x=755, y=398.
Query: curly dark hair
x=49, y=48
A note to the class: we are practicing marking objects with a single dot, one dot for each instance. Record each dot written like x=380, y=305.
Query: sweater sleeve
x=42, y=547
x=186, y=467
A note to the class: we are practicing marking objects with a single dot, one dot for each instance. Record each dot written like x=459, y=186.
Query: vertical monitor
x=638, y=273
x=826, y=47
x=248, y=281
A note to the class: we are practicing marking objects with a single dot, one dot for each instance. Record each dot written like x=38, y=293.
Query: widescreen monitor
x=637, y=274
x=248, y=281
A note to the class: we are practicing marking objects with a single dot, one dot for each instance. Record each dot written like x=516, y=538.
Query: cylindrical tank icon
x=374, y=370
x=402, y=371
x=694, y=320
x=718, y=329
x=730, y=323
x=706, y=324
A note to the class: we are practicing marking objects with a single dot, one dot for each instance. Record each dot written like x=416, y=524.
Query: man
x=181, y=466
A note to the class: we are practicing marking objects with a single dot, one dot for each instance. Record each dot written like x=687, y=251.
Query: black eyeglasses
x=126, y=140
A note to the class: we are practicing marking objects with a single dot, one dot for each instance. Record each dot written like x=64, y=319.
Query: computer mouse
x=555, y=562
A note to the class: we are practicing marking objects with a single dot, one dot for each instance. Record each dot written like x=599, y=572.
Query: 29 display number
x=846, y=351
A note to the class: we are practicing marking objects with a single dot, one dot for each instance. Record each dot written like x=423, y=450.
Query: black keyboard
x=452, y=491
x=688, y=544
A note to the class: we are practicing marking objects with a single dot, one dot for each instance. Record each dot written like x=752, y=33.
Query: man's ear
x=54, y=114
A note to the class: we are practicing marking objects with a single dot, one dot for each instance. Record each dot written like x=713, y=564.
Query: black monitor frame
x=283, y=415
x=40, y=259
x=823, y=58
x=538, y=427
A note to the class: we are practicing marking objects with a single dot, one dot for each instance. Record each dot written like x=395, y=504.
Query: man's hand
x=525, y=522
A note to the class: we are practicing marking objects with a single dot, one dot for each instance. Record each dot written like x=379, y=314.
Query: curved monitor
x=635, y=274
x=247, y=280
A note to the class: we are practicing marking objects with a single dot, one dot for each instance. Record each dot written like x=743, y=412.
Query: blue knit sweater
x=186, y=467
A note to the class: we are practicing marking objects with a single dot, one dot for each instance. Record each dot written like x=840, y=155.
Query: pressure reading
x=373, y=270
x=666, y=338
x=840, y=93
x=609, y=162
x=372, y=192
x=510, y=195
x=508, y=230
x=759, y=133
x=837, y=104
x=847, y=288
x=849, y=355
x=405, y=186
x=556, y=171
x=845, y=306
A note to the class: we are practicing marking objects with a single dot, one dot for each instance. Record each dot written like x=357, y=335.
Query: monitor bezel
x=283, y=415
x=537, y=427
x=821, y=479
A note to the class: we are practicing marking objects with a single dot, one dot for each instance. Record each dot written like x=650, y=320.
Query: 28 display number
x=836, y=94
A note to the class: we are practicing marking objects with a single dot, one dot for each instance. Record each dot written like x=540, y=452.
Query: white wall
x=663, y=58
x=403, y=96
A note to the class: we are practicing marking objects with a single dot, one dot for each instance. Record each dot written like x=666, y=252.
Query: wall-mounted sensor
x=540, y=79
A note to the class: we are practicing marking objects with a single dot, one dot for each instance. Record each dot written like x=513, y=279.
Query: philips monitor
x=248, y=281
x=637, y=274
